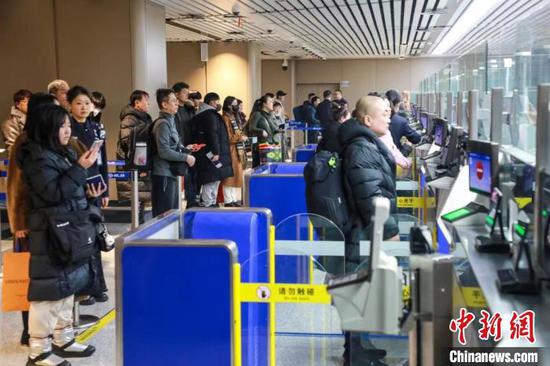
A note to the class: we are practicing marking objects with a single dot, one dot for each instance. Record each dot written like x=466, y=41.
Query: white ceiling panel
x=335, y=28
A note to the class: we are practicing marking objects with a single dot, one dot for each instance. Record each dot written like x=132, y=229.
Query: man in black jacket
x=186, y=112
x=324, y=109
x=399, y=125
x=214, y=159
x=369, y=171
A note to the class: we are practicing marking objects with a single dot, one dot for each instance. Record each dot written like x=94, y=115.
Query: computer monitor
x=440, y=131
x=414, y=111
x=424, y=118
x=451, y=153
x=483, y=166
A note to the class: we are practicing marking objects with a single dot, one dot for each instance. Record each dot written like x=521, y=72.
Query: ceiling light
x=523, y=53
x=508, y=62
x=476, y=11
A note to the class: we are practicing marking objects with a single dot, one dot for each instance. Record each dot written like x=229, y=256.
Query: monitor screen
x=424, y=120
x=439, y=133
x=480, y=173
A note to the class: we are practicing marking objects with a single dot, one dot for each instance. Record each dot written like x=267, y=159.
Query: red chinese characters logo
x=459, y=325
x=491, y=326
x=521, y=326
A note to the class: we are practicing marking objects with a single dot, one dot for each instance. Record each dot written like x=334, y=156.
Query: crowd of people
x=58, y=168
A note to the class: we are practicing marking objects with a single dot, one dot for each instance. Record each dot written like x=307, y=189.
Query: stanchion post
x=135, y=198
x=180, y=193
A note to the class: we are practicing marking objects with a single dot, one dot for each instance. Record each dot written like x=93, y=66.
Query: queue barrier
x=177, y=300
x=303, y=153
x=250, y=229
x=281, y=188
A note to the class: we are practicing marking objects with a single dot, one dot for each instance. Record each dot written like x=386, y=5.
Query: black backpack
x=325, y=195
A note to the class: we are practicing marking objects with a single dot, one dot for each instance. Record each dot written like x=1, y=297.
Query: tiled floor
x=306, y=334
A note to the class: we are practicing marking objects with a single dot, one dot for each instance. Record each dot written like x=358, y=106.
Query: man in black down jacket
x=186, y=112
x=369, y=171
x=214, y=159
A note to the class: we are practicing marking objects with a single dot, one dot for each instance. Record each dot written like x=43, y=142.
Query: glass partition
x=516, y=58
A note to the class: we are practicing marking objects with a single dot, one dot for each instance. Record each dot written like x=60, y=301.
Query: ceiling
x=334, y=28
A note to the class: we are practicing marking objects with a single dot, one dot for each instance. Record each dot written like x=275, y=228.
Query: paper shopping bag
x=15, y=283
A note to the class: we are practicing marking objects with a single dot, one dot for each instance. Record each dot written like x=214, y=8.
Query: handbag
x=72, y=236
x=15, y=283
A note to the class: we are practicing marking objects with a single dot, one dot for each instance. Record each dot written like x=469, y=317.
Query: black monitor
x=414, y=111
x=424, y=119
x=451, y=154
x=440, y=131
x=483, y=166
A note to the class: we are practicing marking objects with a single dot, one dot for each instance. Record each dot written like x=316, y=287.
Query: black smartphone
x=97, y=181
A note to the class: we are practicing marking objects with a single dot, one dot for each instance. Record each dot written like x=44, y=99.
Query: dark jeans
x=164, y=194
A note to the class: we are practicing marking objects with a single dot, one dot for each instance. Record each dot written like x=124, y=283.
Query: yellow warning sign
x=474, y=298
x=282, y=292
x=415, y=202
x=523, y=201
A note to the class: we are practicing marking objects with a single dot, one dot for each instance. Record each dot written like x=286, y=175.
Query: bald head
x=373, y=112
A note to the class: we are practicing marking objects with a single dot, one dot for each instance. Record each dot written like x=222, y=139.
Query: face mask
x=235, y=108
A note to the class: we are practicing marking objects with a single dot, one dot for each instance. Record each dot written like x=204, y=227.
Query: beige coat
x=237, y=179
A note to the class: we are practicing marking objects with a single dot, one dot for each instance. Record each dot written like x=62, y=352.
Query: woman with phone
x=56, y=183
x=93, y=136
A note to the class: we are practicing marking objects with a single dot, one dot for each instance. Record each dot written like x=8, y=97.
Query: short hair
x=45, y=130
x=228, y=101
x=394, y=97
x=196, y=95
x=277, y=104
x=77, y=90
x=310, y=95
x=179, y=86
x=163, y=94
x=374, y=94
x=338, y=91
x=57, y=84
x=327, y=93
x=314, y=98
x=271, y=95
x=99, y=100
x=137, y=95
x=209, y=97
x=21, y=94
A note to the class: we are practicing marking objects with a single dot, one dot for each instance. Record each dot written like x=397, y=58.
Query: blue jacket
x=399, y=127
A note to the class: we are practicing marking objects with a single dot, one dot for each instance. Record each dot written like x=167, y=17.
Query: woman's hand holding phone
x=88, y=158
